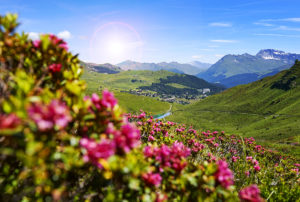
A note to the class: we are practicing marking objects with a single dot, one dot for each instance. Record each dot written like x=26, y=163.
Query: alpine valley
x=266, y=108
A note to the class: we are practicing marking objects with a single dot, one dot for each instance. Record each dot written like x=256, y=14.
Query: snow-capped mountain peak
x=272, y=54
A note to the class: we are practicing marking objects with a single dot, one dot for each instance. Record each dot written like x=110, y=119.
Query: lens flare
x=115, y=42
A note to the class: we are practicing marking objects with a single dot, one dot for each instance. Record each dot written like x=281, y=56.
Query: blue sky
x=162, y=30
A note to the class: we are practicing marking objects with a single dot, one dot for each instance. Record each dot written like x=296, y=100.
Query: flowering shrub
x=58, y=144
x=47, y=117
x=251, y=193
x=238, y=162
x=224, y=175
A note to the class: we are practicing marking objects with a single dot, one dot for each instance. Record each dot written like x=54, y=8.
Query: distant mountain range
x=229, y=71
x=201, y=65
x=234, y=70
x=102, y=68
x=192, y=69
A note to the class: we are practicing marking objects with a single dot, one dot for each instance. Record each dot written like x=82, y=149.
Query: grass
x=133, y=103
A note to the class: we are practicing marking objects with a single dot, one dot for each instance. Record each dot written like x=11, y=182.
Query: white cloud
x=292, y=19
x=223, y=41
x=281, y=20
x=197, y=56
x=206, y=49
x=220, y=24
x=219, y=55
x=286, y=28
x=64, y=34
x=278, y=35
x=264, y=24
x=213, y=46
x=34, y=35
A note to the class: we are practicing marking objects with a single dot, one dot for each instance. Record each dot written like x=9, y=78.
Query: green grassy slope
x=268, y=110
x=124, y=80
x=130, y=103
x=133, y=103
x=129, y=80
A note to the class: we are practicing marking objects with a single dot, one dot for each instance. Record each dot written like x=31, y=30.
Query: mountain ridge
x=265, y=63
x=176, y=67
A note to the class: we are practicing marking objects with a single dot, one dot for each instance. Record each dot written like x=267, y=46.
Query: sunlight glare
x=116, y=47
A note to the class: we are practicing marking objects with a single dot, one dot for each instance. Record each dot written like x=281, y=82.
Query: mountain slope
x=201, y=65
x=268, y=109
x=232, y=70
x=172, y=66
x=102, y=68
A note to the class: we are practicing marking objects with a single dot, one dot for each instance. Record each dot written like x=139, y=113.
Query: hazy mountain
x=232, y=70
x=201, y=65
x=171, y=66
x=102, y=68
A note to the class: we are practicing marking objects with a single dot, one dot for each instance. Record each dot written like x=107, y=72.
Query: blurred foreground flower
x=55, y=114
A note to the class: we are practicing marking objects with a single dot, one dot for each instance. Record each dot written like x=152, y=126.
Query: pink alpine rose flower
x=36, y=43
x=9, y=121
x=250, y=194
x=57, y=41
x=249, y=158
x=108, y=100
x=55, y=68
x=257, y=168
x=247, y=173
x=142, y=115
x=224, y=175
x=235, y=158
x=151, y=138
x=48, y=116
x=169, y=156
x=96, y=151
x=152, y=179
x=127, y=138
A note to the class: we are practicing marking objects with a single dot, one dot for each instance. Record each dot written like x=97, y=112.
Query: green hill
x=129, y=102
x=134, y=103
x=268, y=109
x=125, y=80
x=161, y=83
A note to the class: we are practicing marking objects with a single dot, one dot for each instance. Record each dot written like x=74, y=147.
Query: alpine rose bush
x=224, y=175
x=46, y=117
x=59, y=144
x=250, y=194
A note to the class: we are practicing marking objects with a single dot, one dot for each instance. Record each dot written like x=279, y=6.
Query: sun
x=115, y=42
x=116, y=47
